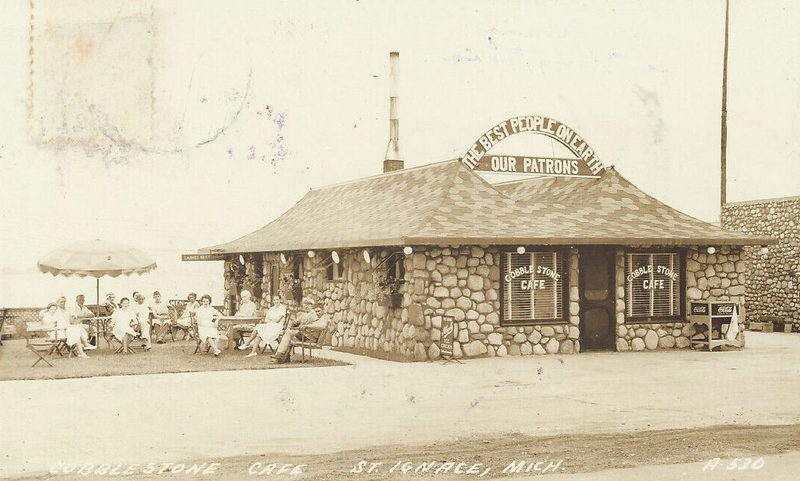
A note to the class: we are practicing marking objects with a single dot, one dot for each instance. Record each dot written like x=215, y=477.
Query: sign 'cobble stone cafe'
x=434, y=259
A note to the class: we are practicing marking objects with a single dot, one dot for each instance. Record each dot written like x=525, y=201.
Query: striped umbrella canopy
x=96, y=258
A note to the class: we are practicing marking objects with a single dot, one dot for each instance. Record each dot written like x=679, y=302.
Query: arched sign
x=586, y=163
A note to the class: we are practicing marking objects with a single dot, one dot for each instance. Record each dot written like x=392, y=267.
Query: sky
x=173, y=126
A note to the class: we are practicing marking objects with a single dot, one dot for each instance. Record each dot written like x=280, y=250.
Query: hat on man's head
x=245, y=293
x=308, y=300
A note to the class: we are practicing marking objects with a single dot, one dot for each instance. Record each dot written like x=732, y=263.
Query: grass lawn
x=16, y=360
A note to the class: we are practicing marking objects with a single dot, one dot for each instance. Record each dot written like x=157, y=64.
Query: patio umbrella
x=96, y=259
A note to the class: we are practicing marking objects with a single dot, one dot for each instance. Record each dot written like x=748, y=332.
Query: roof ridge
x=384, y=174
x=435, y=206
x=460, y=167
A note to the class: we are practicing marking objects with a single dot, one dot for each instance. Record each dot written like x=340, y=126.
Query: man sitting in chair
x=247, y=308
x=267, y=331
x=81, y=312
x=77, y=337
x=306, y=327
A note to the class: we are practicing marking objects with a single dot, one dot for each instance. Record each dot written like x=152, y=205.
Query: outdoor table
x=229, y=321
x=102, y=328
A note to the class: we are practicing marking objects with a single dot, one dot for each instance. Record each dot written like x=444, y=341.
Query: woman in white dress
x=206, y=317
x=124, y=319
x=185, y=321
x=49, y=321
x=269, y=330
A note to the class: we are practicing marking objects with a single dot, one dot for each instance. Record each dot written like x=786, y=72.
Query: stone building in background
x=773, y=281
x=542, y=265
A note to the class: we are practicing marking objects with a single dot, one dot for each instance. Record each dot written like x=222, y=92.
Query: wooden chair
x=199, y=342
x=290, y=313
x=307, y=345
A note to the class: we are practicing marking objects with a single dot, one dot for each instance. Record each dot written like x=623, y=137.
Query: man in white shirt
x=143, y=316
x=247, y=308
x=81, y=312
x=307, y=327
x=267, y=331
x=161, y=318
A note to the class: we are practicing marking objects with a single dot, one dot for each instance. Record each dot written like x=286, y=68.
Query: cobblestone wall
x=773, y=283
x=709, y=277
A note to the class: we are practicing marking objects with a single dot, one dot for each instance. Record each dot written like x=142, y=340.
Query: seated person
x=207, y=330
x=80, y=311
x=267, y=331
x=124, y=320
x=247, y=308
x=159, y=311
x=48, y=323
x=77, y=337
x=111, y=304
x=62, y=317
x=308, y=327
x=184, y=322
x=142, y=312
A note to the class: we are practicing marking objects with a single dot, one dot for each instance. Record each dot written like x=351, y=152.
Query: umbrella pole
x=97, y=286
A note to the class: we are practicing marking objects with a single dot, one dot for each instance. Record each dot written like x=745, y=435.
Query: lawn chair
x=41, y=346
x=198, y=341
x=286, y=323
x=176, y=308
x=306, y=345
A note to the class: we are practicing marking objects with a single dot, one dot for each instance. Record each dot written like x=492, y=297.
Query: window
x=335, y=271
x=297, y=268
x=653, y=285
x=396, y=267
x=533, y=287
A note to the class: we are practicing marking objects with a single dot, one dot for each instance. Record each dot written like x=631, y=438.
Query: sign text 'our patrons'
x=539, y=125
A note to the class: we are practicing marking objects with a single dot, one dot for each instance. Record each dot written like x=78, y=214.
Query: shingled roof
x=447, y=203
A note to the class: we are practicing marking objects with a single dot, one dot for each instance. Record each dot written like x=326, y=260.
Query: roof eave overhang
x=681, y=242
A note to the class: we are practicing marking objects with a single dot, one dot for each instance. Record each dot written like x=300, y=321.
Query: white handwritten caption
x=189, y=469
x=453, y=467
x=735, y=464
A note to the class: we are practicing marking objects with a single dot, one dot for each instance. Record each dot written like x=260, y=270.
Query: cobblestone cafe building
x=417, y=261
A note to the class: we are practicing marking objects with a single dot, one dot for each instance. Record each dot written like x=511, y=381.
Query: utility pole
x=723, y=198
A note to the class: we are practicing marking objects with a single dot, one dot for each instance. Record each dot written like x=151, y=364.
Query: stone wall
x=709, y=277
x=464, y=282
x=773, y=283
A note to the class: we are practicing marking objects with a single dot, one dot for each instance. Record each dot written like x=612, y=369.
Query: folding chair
x=42, y=347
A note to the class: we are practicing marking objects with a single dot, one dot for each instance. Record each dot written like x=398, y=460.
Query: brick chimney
x=392, y=160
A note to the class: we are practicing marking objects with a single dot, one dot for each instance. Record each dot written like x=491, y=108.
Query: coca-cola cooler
x=709, y=318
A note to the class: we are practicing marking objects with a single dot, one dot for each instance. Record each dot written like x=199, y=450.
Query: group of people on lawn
x=131, y=320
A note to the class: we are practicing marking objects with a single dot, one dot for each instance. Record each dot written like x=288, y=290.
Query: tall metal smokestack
x=392, y=160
